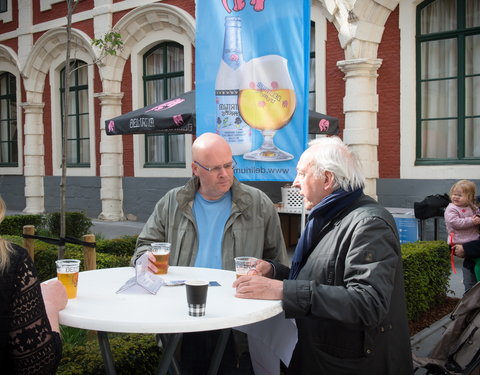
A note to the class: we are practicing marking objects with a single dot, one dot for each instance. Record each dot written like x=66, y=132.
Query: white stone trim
x=408, y=169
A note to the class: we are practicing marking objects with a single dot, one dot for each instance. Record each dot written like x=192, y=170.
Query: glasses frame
x=218, y=168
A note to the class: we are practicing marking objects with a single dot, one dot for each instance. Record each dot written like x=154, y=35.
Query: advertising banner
x=251, y=82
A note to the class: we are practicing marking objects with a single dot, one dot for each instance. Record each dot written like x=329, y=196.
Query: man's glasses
x=217, y=168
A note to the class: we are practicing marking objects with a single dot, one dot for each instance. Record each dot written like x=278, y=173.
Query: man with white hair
x=345, y=286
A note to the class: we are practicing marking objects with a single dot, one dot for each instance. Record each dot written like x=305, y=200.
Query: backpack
x=458, y=350
x=432, y=205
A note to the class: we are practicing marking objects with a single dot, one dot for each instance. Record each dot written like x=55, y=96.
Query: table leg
x=219, y=350
x=168, y=352
x=106, y=353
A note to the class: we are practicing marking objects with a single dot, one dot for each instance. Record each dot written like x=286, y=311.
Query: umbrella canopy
x=172, y=116
x=177, y=116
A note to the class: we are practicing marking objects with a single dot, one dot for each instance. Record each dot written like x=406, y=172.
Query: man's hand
x=262, y=268
x=258, y=287
x=459, y=251
x=151, y=259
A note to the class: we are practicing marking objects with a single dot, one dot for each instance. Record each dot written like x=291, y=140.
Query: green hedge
x=13, y=225
x=133, y=354
x=77, y=224
x=426, y=271
x=119, y=246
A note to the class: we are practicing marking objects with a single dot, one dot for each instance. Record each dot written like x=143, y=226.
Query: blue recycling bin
x=407, y=227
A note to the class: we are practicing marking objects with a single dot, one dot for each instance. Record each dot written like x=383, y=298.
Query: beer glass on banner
x=267, y=102
x=161, y=252
x=67, y=274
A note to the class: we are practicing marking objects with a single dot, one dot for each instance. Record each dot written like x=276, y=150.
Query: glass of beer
x=161, y=252
x=67, y=274
x=244, y=264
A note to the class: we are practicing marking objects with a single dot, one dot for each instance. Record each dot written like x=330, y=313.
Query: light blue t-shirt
x=211, y=217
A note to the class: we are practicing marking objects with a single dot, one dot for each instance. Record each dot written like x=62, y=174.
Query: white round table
x=98, y=306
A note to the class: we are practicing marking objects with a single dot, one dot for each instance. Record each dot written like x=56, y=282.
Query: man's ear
x=329, y=180
x=194, y=169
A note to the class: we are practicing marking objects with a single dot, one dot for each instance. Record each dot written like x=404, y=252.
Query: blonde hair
x=5, y=247
x=468, y=188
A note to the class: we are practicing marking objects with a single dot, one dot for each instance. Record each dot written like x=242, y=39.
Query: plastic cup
x=67, y=274
x=244, y=264
x=161, y=252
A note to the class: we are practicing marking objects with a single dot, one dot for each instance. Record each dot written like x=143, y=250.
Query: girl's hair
x=5, y=247
x=469, y=189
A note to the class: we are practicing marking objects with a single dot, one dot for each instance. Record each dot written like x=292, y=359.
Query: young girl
x=462, y=219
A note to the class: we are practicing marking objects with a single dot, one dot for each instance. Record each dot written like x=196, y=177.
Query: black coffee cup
x=196, y=296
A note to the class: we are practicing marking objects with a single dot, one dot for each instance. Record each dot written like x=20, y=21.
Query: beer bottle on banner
x=229, y=123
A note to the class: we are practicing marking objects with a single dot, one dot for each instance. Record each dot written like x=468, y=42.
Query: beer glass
x=67, y=274
x=161, y=252
x=267, y=102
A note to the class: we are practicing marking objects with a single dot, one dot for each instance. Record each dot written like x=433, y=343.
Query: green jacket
x=252, y=229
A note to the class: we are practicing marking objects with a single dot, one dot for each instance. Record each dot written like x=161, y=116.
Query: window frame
x=10, y=96
x=158, y=77
x=460, y=34
x=76, y=89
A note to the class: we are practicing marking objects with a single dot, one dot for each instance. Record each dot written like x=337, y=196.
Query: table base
x=170, y=343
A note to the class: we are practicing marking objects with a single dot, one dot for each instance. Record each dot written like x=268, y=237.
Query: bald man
x=209, y=221
x=213, y=217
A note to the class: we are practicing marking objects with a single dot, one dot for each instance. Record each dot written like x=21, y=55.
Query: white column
x=111, y=164
x=360, y=105
x=34, y=152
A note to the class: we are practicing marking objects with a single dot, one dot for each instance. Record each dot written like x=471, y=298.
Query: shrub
x=77, y=224
x=119, y=246
x=46, y=255
x=426, y=271
x=133, y=354
x=13, y=225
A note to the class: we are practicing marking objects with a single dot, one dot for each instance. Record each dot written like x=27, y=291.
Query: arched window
x=78, y=133
x=163, y=78
x=448, y=82
x=8, y=121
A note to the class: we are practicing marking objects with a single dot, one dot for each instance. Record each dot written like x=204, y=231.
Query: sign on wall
x=251, y=73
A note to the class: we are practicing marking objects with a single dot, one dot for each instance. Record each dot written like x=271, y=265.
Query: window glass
x=439, y=16
x=472, y=13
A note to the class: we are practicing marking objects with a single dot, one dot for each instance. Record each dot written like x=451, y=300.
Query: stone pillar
x=34, y=152
x=360, y=105
x=111, y=164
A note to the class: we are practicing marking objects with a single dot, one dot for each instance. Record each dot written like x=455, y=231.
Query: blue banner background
x=281, y=28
